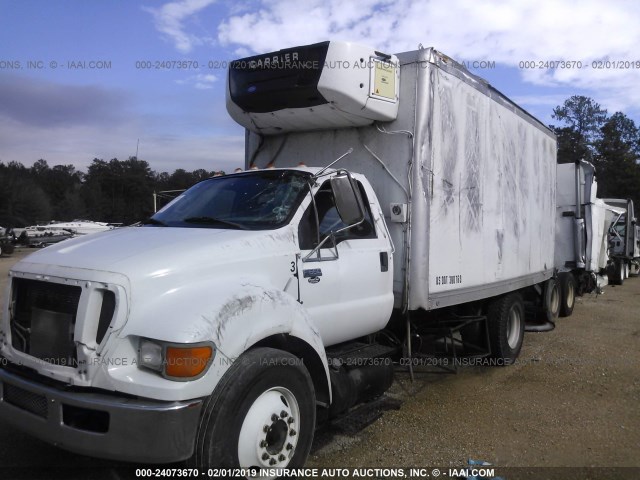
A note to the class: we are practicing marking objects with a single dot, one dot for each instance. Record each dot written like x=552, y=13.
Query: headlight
x=176, y=361
x=151, y=355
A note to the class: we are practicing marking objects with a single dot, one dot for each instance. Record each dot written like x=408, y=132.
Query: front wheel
x=506, y=327
x=262, y=415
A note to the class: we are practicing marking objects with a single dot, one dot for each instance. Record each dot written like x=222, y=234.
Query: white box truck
x=624, y=241
x=258, y=304
x=582, y=233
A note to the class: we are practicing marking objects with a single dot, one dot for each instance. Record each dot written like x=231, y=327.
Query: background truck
x=624, y=241
x=259, y=304
x=582, y=233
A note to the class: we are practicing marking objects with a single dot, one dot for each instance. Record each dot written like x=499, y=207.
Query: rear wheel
x=552, y=299
x=506, y=327
x=261, y=416
x=618, y=272
x=567, y=283
x=626, y=270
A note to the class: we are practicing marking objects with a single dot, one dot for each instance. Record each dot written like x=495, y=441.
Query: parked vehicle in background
x=54, y=232
x=624, y=241
x=582, y=233
x=75, y=227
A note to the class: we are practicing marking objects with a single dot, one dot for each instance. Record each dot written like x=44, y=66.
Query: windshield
x=257, y=200
x=621, y=226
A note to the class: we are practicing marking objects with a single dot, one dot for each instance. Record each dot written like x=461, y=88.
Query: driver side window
x=329, y=220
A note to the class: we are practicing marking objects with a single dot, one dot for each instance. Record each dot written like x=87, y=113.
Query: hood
x=138, y=251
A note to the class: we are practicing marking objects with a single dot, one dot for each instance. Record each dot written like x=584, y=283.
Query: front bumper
x=100, y=425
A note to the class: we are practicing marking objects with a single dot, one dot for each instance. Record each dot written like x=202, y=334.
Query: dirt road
x=572, y=400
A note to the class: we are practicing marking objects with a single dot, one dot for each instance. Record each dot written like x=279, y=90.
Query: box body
x=477, y=172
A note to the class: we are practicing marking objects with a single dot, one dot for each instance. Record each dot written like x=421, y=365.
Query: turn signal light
x=187, y=362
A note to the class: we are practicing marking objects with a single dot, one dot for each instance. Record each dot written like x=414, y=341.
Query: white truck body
x=267, y=278
x=478, y=175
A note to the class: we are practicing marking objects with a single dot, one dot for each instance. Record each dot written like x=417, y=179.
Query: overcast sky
x=73, y=86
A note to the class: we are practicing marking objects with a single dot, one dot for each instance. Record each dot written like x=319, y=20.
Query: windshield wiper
x=212, y=220
x=153, y=221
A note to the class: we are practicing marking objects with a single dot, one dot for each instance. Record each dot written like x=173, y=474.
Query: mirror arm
x=316, y=250
x=348, y=152
x=331, y=235
x=315, y=212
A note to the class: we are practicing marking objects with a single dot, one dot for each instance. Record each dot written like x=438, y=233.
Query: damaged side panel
x=242, y=312
x=491, y=209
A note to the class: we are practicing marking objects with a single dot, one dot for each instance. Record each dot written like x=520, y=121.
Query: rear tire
x=552, y=299
x=626, y=270
x=568, y=289
x=617, y=277
x=506, y=327
x=262, y=415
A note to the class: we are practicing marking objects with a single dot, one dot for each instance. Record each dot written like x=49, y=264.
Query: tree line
x=610, y=142
x=122, y=190
x=111, y=191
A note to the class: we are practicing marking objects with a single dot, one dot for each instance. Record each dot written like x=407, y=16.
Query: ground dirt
x=572, y=400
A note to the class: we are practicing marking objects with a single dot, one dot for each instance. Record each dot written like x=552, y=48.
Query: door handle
x=384, y=262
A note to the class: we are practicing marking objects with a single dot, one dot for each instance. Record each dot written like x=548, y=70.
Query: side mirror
x=347, y=198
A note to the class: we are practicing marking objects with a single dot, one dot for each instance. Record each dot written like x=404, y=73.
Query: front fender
x=234, y=315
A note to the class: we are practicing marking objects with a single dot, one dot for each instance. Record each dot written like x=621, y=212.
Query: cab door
x=346, y=286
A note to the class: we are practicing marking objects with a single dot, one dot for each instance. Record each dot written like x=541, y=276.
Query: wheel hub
x=276, y=436
x=268, y=436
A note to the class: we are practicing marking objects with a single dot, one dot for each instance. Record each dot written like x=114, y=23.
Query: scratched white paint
x=492, y=205
x=180, y=285
x=482, y=181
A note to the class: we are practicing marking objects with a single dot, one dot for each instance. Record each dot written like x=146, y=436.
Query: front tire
x=506, y=327
x=262, y=415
